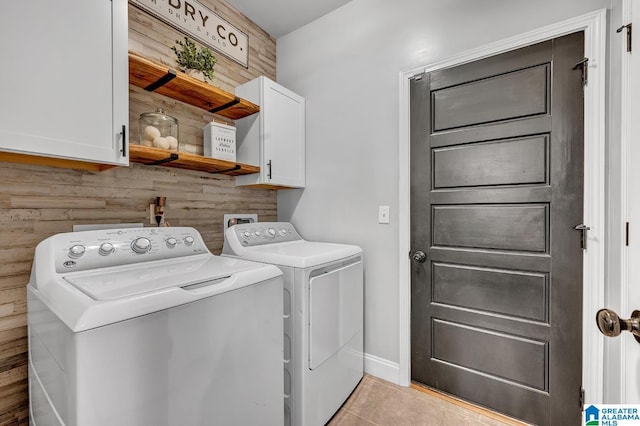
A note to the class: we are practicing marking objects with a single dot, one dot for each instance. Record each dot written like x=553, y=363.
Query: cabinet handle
x=124, y=140
x=269, y=173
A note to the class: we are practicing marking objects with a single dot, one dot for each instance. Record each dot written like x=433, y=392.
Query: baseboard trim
x=382, y=368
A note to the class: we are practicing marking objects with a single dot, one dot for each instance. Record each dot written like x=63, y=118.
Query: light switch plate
x=383, y=214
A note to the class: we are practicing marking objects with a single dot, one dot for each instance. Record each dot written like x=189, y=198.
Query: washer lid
x=85, y=300
x=154, y=277
x=299, y=254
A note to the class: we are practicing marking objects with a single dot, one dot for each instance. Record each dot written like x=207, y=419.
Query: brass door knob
x=610, y=324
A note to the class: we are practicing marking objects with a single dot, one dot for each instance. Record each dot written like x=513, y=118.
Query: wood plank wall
x=38, y=201
x=152, y=39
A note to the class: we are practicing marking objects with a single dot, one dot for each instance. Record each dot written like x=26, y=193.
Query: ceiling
x=280, y=17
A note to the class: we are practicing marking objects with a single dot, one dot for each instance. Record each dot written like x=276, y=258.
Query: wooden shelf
x=177, y=85
x=182, y=160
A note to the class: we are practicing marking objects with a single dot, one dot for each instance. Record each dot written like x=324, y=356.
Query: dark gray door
x=496, y=191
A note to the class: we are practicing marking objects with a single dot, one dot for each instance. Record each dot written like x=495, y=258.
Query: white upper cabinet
x=273, y=139
x=64, y=79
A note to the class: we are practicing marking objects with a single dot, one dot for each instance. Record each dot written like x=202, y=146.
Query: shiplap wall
x=38, y=201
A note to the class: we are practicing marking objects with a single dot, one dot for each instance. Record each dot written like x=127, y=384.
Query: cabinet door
x=64, y=79
x=283, y=132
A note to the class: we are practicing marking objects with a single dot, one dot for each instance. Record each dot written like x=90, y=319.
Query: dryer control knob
x=257, y=234
x=171, y=242
x=271, y=232
x=141, y=245
x=189, y=240
x=76, y=251
x=106, y=249
x=283, y=232
x=245, y=234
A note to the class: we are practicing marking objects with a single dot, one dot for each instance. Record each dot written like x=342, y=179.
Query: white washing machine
x=323, y=315
x=146, y=327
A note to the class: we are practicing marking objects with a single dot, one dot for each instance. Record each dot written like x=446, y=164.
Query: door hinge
x=581, y=398
x=626, y=232
x=628, y=27
x=584, y=69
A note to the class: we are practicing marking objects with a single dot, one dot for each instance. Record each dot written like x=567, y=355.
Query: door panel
x=472, y=348
x=512, y=293
x=496, y=189
x=510, y=162
x=497, y=227
x=537, y=54
x=492, y=99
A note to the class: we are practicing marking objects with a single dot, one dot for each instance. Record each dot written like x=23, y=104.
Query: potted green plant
x=189, y=57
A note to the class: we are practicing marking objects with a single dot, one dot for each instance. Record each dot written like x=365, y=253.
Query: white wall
x=347, y=66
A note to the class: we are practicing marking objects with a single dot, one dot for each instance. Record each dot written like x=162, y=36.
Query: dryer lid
x=299, y=254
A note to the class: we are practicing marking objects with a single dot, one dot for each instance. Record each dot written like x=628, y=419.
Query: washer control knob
x=283, y=232
x=76, y=251
x=271, y=232
x=106, y=249
x=257, y=234
x=141, y=245
x=171, y=242
x=245, y=234
x=189, y=240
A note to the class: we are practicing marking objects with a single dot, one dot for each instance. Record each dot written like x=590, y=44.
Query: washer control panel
x=79, y=251
x=255, y=234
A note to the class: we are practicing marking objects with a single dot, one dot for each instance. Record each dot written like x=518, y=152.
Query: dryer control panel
x=256, y=234
x=83, y=250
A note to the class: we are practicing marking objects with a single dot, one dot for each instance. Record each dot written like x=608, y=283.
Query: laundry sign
x=201, y=23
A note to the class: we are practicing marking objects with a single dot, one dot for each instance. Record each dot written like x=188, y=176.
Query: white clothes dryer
x=146, y=327
x=323, y=315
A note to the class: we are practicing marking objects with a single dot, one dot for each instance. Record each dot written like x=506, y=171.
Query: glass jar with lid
x=159, y=130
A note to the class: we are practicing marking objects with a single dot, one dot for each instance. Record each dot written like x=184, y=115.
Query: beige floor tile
x=380, y=403
x=487, y=421
x=402, y=409
x=346, y=418
x=366, y=398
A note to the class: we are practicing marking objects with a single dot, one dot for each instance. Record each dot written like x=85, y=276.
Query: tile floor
x=377, y=402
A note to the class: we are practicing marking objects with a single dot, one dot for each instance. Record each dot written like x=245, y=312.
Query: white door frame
x=630, y=209
x=594, y=25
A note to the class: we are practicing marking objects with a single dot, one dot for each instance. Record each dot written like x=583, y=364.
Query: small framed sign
x=201, y=23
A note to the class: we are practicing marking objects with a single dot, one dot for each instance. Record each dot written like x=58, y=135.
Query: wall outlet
x=383, y=214
x=232, y=219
